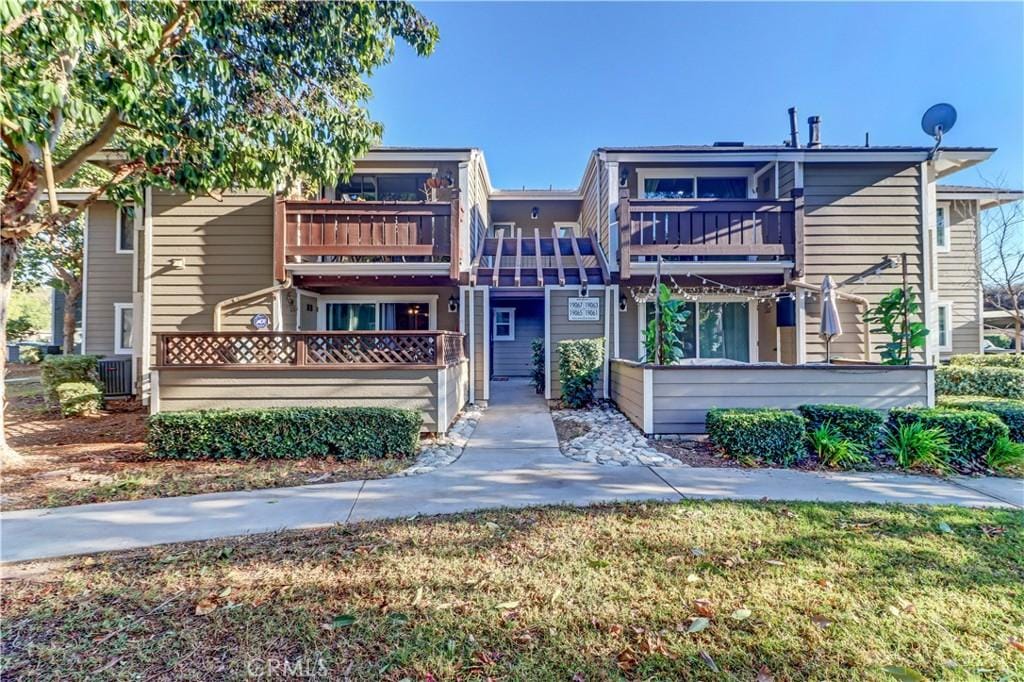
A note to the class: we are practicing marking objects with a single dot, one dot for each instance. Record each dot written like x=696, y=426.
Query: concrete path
x=512, y=460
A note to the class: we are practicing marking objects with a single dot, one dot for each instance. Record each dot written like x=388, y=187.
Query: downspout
x=280, y=286
x=853, y=298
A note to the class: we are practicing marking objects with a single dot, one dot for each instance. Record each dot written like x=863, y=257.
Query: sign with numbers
x=260, y=321
x=584, y=309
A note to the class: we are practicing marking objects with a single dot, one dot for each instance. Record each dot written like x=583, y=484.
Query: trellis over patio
x=534, y=261
x=422, y=371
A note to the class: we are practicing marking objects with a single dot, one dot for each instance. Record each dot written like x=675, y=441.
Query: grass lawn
x=103, y=459
x=694, y=590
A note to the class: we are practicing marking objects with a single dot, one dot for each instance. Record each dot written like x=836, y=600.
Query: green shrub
x=79, y=398
x=971, y=432
x=996, y=382
x=31, y=355
x=835, y=451
x=537, y=365
x=757, y=434
x=579, y=366
x=1005, y=456
x=285, y=433
x=915, y=446
x=860, y=425
x=992, y=360
x=1010, y=411
x=63, y=369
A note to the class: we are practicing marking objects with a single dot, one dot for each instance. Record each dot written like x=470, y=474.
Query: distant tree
x=1002, y=263
x=54, y=257
x=193, y=96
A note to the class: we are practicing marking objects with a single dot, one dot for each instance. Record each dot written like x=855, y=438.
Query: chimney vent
x=794, y=134
x=814, y=139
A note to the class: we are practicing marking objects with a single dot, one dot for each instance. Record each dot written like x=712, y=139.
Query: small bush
x=31, y=355
x=64, y=369
x=994, y=360
x=1006, y=456
x=835, y=451
x=971, y=432
x=1010, y=411
x=860, y=425
x=997, y=382
x=537, y=365
x=285, y=433
x=79, y=398
x=757, y=434
x=915, y=446
x=579, y=366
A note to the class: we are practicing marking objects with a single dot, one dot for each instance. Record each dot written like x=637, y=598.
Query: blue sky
x=537, y=86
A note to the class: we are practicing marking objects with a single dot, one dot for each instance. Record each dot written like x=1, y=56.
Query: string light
x=711, y=287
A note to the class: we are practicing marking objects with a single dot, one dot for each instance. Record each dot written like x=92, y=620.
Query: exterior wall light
x=453, y=304
x=177, y=263
x=535, y=212
x=622, y=304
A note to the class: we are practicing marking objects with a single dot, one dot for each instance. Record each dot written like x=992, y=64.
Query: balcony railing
x=309, y=350
x=696, y=228
x=365, y=231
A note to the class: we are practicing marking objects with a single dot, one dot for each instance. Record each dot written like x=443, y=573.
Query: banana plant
x=662, y=336
x=892, y=316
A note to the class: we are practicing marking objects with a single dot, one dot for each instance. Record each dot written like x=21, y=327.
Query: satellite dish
x=938, y=120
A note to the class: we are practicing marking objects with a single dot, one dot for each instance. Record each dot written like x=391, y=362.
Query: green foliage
x=537, y=364
x=1011, y=412
x=78, y=398
x=999, y=340
x=833, y=449
x=31, y=355
x=285, y=433
x=672, y=317
x=915, y=446
x=1006, y=456
x=996, y=382
x=53, y=257
x=971, y=432
x=63, y=369
x=860, y=425
x=992, y=360
x=32, y=304
x=19, y=328
x=757, y=434
x=894, y=317
x=579, y=366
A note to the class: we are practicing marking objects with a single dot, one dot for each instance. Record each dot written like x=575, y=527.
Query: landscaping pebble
x=610, y=439
x=440, y=452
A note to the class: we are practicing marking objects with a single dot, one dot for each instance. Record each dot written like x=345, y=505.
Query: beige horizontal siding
x=457, y=391
x=515, y=358
x=562, y=329
x=959, y=277
x=108, y=278
x=627, y=391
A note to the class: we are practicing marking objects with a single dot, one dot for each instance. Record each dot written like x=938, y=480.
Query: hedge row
x=285, y=433
x=68, y=369
x=992, y=360
x=997, y=382
x=757, y=434
x=971, y=432
x=1011, y=412
x=858, y=424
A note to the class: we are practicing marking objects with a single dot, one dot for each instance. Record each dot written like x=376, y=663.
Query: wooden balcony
x=323, y=231
x=309, y=350
x=738, y=229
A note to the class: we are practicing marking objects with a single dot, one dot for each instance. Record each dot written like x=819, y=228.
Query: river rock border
x=610, y=440
x=440, y=452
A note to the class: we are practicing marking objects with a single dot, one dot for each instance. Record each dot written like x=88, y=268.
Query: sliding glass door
x=712, y=329
x=349, y=316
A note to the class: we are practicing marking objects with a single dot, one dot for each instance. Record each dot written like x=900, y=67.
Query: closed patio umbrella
x=830, y=325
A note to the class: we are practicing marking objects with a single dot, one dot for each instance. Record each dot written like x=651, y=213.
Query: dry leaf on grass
x=1015, y=643
x=740, y=614
x=698, y=625
x=703, y=607
x=205, y=606
x=821, y=621
x=765, y=675
x=706, y=657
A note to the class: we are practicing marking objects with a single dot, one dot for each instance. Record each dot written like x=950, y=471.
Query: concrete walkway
x=512, y=460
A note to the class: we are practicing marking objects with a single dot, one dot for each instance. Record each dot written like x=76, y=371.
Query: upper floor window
x=567, y=229
x=382, y=187
x=941, y=228
x=125, y=229
x=687, y=184
x=123, y=344
x=504, y=229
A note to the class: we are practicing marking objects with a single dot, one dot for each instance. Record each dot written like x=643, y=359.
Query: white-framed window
x=507, y=229
x=942, y=228
x=567, y=229
x=714, y=328
x=944, y=322
x=393, y=312
x=125, y=229
x=123, y=323
x=694, y=183
x=504, y=324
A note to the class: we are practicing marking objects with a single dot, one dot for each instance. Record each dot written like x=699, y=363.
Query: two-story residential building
x=416, y=283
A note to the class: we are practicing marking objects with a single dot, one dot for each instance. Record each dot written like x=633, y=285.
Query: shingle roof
x=970, y=189
x=786, y=148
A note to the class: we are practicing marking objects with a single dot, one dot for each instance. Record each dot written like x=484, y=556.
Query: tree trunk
x=71, y=298
x=8, y=257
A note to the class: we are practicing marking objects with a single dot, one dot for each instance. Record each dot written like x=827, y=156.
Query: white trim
x=927, y=185
x=547, y=342
x=533, y=194
x=119, y=309
x=154, y=391
x=980, y=319
x=692, y=173
x=377, y=299
x=753, y=328
x=511, y=324
x=573, y=225
x=384, y=170
x=146, y=328
x=442, y=399
x=930, y=384
x=613, y=213
x=85, y=280
x=118, y=248
x=801, y=327
x=617, y=331
x=369, y=270
x=713, y=268
x=472, y=344
x=948, y=307
x=944, y=209
x=607, y=340
x=648, y=401
x=487, y=342
x=277, y=311
x=798, y=175
x=508, y=225
x=800, y=156
x=424, y=155
x=466, y=205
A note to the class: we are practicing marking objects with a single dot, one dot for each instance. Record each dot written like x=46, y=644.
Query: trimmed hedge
x=994, y=360
x=285, y=433
x=757, y=434
x=971, y=432
x=64, y=369
x=860, y=425
x=579, y=366
x=78, y=398
x=996, y=382
x=1011, y=412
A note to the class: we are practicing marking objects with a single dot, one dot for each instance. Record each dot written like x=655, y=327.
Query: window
x=567, y=229
x=382, y=187
x=351, y=317
x=123, y=344
x=126, y=229
x=941, y=229
x=683, y=183
x=504, y=324
x=713, y=329
x=668, y=188
x=945, y=324
x=506, y=229
x=722, y=188
x=391, y=314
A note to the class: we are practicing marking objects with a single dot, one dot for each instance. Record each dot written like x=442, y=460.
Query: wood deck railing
x=737, y=228
x=420, y=231
x=309, y=350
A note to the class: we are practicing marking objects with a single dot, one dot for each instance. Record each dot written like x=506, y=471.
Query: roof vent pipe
x=794, y=134
x=814, y=140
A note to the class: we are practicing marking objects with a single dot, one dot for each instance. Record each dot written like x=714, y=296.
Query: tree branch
x=66, y=168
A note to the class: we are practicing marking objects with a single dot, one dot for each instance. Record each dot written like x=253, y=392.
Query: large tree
x=1002, y=263
x=192, y=95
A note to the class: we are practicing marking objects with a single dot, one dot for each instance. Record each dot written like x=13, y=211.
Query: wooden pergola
x=537, y=261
